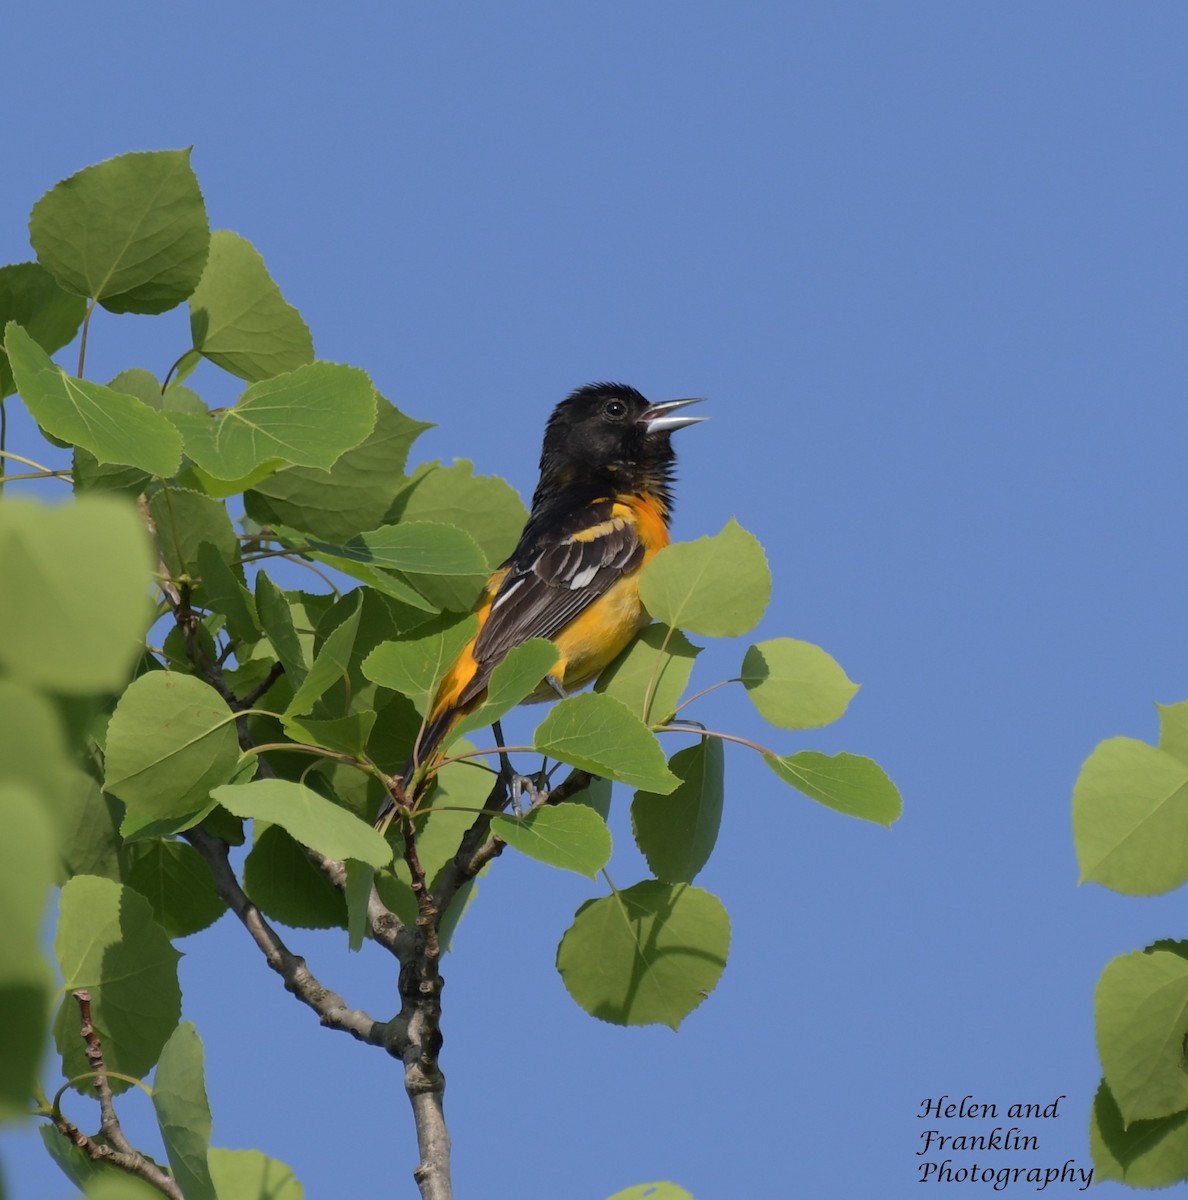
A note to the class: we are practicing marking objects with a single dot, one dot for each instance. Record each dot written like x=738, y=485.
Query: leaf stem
x=82, y=345
x=29, y=462
x=713, y=687
x=654, y=678
x=689, y=727
x=35, y=475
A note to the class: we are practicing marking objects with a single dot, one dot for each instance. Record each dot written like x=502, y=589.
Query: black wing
x=552, y=583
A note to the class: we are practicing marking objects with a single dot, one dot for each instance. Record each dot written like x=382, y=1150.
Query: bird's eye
x=615, y=409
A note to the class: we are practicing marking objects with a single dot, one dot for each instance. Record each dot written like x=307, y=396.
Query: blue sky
x=927, y=261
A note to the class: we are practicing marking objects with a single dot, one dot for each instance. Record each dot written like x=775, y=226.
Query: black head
x=609, y=429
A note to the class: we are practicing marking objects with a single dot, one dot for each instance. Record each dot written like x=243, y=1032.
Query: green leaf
x=250, y=1175
x=184, y=520
x=74, y=604
x=1130, y=818
x=419, y=548
x=796, y=685
x=238, y=317
x=414, y=665
x=648, y=955
x=357, y=894
x=277, y=620
x=653, y=1191
x=311, y=819
x=570, y=836
x=172, y=877
x=853, y=785
x=329, y=665
x=1173, y=729
x=309, y=416
x=91, y=475
x=649, y=667
x=28, y=865
x=1146, y=1154
x=30, y=296
x=485, y=506
x=718, y=586
x=113, y=426
x=33, y=747
x=677, y=832
x=130, y=232
x=171, y=739
x=596, y=795
x=108, y=942
x=1142, y=1021
x=353, y=495
x=183, y=1112
x=515, y=678
x=602, y=735
x=223, y=592
x=347, y=735
x=88, y=824
x=287, y=887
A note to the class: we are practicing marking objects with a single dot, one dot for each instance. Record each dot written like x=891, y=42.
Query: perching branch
x=115, y=1147
x=420, y=993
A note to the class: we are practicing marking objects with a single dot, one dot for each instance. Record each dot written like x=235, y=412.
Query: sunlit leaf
x=130, y=232
x=718, y=586
x=309, y=416
x=795, y=684
x=238, y=317
x=414, y=665
x=485, y=506
x=853, y=785
x=513, y=680
x=313, y=820
x=329, y=665
x=1141, y=1005
x=646, y=670
x=350, y=497
x=1130, y=817
x=602, y=735
x=571, y=836
x=113, y=426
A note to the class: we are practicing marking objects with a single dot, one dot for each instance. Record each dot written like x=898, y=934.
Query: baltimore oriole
x=599, y=513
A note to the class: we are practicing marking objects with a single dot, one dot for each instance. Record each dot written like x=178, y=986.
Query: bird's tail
x=435, y=730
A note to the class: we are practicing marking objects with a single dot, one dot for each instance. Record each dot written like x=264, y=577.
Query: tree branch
x=420, y=992
x=115, y=1149
x=332, y=1009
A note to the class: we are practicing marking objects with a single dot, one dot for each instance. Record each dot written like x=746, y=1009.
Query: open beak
x=662, y=418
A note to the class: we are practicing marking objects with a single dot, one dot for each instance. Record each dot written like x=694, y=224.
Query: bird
x=600, y=512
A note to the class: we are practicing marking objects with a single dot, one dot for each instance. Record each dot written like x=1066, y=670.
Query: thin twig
x=115, y=1148
x=385, y=926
